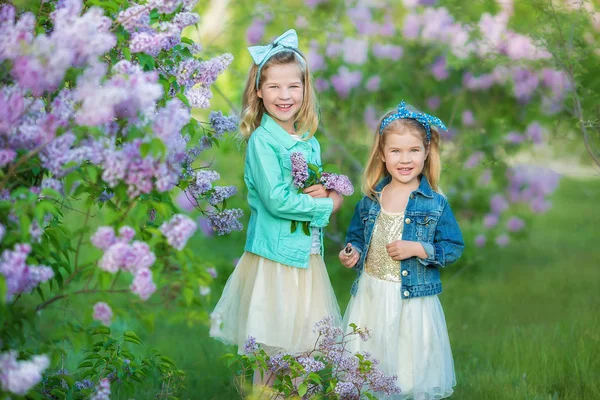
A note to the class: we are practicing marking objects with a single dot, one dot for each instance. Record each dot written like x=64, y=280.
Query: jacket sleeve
x=356, y=231
x=448, y=243
x=279, y=198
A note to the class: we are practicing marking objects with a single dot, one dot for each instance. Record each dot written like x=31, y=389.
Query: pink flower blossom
x=103, y=313
x=19, y=376
x=142, y=284
x=373, y=83
x=480, y=240
x=344, y=81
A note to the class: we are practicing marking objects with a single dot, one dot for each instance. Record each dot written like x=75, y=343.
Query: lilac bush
x=329, y=370
x=96, y=130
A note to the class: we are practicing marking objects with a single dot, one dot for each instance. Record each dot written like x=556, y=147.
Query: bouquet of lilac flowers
x=307, y=174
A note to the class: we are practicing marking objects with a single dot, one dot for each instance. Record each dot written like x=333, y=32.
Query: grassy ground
x=523, y=322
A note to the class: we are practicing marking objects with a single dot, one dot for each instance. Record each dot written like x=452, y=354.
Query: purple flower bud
x=502, y=240
x=480, y=240
x=515, y=224
x=178, y=230
x=142, y=284
x=104, y=237
x=103, y=313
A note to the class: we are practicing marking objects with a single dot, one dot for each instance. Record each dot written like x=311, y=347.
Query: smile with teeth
x=284, y=106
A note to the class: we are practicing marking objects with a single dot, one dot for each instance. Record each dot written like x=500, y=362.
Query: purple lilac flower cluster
x=19, y=376
x=355, y=373
x=352, y=367
x=21, y=277
x=339, y=183
x=299, y=169
x=221, y=193
x=135, y=258
x=222, y=124
x=302, y=177
x=178, y=230
x=226, y=221
x=526, y=184
x=103, y=313
x=250, y=346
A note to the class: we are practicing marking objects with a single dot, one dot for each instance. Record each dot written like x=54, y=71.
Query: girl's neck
x=287, y=126
x=402, y=188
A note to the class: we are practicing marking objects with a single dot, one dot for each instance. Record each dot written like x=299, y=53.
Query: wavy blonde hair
x=307, y=118
x=375, y=169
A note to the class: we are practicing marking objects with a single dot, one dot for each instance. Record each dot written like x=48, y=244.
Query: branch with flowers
x=328, y=371
x=305, y=174
x=95, y=121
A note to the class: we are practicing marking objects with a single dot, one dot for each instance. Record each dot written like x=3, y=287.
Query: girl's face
x=404, y=157
x=282, y=93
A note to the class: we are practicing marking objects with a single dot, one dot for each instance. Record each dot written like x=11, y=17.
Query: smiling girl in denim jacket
x=280, y=287
x=402, y=232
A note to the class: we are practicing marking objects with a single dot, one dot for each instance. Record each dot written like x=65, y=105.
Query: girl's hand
x=403, y=249
x=337, y=198
x=349, y=260
x=316, y=191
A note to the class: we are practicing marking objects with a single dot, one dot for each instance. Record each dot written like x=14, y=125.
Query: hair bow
x=422, y=118
x=261, y=54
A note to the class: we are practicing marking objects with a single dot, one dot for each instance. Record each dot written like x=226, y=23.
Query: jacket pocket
x=426, y=225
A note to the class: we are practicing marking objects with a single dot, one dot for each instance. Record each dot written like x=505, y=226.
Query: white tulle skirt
x=276, y=304
x=410, y=338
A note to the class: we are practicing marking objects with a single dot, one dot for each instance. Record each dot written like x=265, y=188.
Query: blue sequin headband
x=425, y=120
x=261, y=54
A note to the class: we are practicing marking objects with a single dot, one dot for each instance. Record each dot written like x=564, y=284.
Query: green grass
x=523, y=321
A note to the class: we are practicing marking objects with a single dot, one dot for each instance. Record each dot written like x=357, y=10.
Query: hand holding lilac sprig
x=306, y=175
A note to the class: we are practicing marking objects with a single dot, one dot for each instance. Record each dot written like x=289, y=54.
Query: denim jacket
x=275, y=202
x=428, y=220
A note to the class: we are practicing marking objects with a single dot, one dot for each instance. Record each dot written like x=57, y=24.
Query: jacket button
x=412, y=196
x=407, y=221
x=405, y=273
x=406, y=293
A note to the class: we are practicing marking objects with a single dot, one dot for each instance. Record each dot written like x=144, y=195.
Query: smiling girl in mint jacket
x=280, y=287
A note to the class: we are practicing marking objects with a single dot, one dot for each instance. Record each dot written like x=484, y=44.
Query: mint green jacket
x=275, y=202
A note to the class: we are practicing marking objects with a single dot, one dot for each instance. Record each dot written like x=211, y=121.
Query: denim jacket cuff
x=430, y=251
x=322, y=213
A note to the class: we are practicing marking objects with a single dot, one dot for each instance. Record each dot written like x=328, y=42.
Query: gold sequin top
x=388, y=228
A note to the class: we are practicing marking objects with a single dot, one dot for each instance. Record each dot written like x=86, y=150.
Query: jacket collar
x=277, y=131
x=424, y=187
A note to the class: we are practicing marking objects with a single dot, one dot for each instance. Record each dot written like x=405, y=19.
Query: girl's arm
x=447, y=244
x=273, y=190
x=356, y=231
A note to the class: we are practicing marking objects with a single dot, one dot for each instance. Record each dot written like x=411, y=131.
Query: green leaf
x=3, y=290
x=144, y=149
x=101, y=330
x=188, y=295
x=132, y=334
x=184, y=99
x=187, y=40
x=306, y=228
x=302, y=389
x=293, y=226
x=85, y=364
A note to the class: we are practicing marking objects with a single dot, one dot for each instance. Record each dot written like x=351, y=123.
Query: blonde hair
x=375, y=169
x=307, y=118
